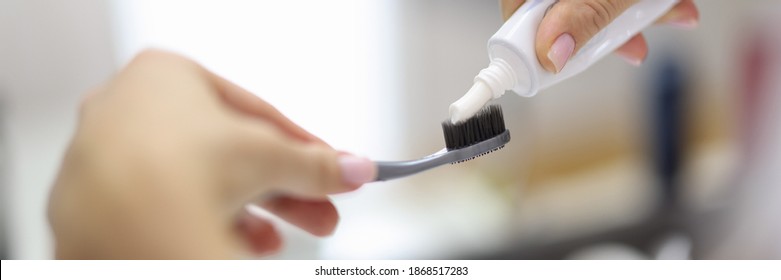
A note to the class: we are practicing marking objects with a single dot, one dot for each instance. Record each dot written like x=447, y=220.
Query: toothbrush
x=474, y=137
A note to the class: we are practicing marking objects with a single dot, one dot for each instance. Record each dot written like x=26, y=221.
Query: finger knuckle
x=154, y=54
x=86, y=101
x=152, y=57
x=324, y=171
x=601, y=12
x=596, y=14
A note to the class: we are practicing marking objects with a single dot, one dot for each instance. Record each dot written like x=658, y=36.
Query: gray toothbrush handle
x=387, y=170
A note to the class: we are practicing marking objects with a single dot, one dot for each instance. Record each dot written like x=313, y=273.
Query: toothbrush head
x=483, y=133
x=486, y=124
x=477, y=136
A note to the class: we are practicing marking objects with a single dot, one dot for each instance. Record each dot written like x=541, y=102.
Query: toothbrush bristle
x=477, y=156
x=488, y=123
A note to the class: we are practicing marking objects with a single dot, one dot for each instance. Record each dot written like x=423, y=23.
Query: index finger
x=247, y=103
x=509, y=6
x=683, y=14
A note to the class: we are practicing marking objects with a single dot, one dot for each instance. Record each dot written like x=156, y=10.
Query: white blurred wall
x=51, y=53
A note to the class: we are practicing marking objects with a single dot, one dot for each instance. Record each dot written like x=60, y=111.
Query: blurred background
x=677, y=159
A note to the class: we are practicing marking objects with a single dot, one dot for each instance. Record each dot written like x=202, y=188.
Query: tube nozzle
x=468, y=105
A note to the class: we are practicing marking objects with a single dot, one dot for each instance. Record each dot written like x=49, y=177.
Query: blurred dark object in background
x=668, y=98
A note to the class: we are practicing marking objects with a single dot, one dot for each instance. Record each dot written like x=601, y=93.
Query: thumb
x=570, y=24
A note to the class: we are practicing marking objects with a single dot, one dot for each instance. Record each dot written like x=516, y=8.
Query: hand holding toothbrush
x=569, y=24
x=167, y=154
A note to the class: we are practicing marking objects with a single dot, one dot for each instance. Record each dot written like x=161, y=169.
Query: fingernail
x=356, y=170
x=685, y=23
x=634, y=61
x=561, y=51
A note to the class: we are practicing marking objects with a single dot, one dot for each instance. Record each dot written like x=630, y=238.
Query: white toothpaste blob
x=468, y=105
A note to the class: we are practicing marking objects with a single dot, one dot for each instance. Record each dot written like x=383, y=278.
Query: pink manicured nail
x=357, y=170
x=631, y=60
x=685, y=23
x=561, y=51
